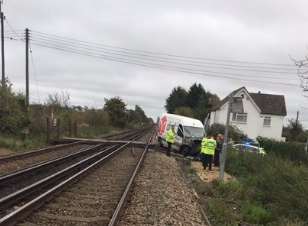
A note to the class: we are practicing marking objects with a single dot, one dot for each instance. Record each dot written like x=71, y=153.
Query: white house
x=263, y=114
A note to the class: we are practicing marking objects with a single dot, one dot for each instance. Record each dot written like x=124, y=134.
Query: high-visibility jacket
x=170, y=136
x=208, y=146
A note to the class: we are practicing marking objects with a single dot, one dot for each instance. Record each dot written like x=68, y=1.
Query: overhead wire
x=163, y=54
x=142, y=60
x=151, y=65
x=88, y=50
x=162, y=60
x=134, y=54
x=139, y=60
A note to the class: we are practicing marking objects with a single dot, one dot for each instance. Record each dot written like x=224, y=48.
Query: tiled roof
x=268, y=103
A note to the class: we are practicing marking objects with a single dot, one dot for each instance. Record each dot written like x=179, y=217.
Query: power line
x=81, y=50
x=162, y=60
x=157, y=53
x=138, y=60
x=148, y=65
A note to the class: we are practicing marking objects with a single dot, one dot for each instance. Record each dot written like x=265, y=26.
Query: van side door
x=179, y=136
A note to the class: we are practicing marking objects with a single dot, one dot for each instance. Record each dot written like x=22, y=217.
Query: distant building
x=263, y=114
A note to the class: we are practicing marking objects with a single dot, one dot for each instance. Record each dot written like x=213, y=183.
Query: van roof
x=186, y=121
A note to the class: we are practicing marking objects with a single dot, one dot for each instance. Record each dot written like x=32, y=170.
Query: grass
x=17, y=144
x=268, y=190
x=90, y=132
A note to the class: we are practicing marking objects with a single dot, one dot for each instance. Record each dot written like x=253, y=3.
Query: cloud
x=258, y=31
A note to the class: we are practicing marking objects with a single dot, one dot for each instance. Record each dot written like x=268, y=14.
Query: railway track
x=109, y=181
x=17, y=162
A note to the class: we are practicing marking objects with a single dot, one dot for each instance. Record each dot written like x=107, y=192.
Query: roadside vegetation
x=266, y=190
x=21, y=129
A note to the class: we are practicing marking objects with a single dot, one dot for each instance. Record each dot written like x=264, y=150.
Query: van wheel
x=186, y=151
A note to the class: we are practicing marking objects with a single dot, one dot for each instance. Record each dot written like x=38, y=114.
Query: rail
x=44, y=189
x=117, y=213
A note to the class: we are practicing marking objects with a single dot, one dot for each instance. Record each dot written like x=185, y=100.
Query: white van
x=189, y=133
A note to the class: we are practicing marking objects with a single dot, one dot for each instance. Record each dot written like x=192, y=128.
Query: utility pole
x=223, y=155
x=296, y=122
x=2, y=46
x=27, y=68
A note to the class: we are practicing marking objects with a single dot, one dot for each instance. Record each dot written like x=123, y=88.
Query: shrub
x=293, y=151
x=255, y=214
x=277, y=185
x=13, y=118
x=220, y=213
x=235, y=134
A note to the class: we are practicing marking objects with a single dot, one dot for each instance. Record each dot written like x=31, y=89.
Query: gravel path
x=160, y=196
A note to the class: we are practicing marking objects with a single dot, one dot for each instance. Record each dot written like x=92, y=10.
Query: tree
x=137, y=117
x=196, y=95
x=196, y=99
x=140, y=115
x=176, y=99
x=295, y=131
x=185, y=111
x=13, y=117
x=116, y=109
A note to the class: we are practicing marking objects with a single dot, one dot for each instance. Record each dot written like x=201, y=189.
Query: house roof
x=225, y=100
x=268, y=103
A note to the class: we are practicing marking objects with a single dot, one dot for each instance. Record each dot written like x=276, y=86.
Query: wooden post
x=75, y=129
x=58, y=129
x=70, y=127
x=47, y=130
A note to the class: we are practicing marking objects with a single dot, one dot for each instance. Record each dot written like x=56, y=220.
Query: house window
x=267, y=121
x=239, y=117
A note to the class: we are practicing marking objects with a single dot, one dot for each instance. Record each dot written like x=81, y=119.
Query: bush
x=220, y=213
x=235, y=134
x=13, y=117
x=275, y=184
x=255, y=214
x=293, y=151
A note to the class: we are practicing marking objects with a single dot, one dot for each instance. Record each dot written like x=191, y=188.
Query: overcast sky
x=257, y=31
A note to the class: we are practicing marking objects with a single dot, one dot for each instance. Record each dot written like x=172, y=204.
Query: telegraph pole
x=27, y=67
x=2, y=46
x=296, y=122
x=223, y=155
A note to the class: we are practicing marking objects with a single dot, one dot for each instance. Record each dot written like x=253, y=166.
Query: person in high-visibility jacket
x=208, y=146
x=170, y=138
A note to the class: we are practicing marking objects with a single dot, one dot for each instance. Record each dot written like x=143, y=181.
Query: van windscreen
x=193, y=131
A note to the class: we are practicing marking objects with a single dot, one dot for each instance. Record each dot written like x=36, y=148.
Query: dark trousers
x=216, y=157
x=207, y=161
x=169, y=148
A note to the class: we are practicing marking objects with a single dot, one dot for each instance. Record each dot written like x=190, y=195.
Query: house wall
x=251, y=127
x=254, y=126
x=275, y=130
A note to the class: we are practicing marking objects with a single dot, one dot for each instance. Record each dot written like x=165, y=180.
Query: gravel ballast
x=18, y=164
x=160, y=195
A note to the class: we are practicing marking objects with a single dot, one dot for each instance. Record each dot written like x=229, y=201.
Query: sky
x=241, y=30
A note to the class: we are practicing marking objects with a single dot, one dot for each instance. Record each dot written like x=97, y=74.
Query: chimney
x=259, y=92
